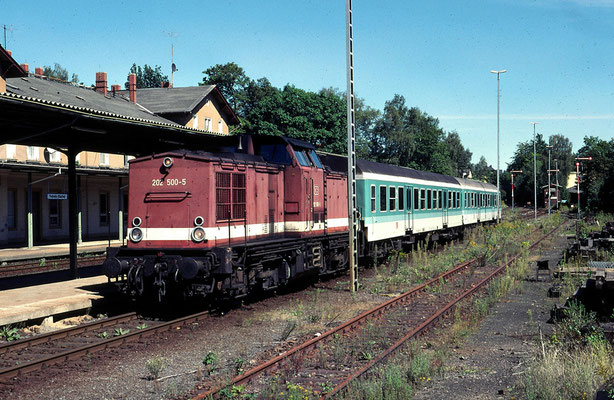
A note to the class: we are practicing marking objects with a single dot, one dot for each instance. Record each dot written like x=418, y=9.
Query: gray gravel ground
x=490, y=363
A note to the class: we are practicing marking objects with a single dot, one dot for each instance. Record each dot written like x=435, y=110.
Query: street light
x=512, y=173
x=549, y=147
x=534, y=172
x=498, y=187
x=578, y=177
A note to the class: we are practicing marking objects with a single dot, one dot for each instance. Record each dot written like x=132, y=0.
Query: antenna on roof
x=7, y=28
x=172, y=35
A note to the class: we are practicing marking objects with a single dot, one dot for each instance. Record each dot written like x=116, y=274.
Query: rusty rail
x=430, y=321
x=79, y=352
x=357, y=321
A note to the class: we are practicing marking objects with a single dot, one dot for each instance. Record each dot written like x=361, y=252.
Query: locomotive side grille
x=224, y=190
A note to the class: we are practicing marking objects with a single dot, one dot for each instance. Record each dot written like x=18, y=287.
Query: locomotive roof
x=222, y=155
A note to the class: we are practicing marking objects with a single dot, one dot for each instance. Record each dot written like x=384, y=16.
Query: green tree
x=460, y=158
x=59, y=72
x=597, y=175
x=148, y=77
x=231, y=80
x=523, y=160
x=483, y=172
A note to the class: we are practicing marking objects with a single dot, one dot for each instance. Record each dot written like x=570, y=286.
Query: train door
x=409, y=215
x=272, y=204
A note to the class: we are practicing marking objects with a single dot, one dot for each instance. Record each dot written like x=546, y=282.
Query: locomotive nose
x=113, y=267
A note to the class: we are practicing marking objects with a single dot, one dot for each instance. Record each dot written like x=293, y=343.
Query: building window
x=393, y=198
x=401, y=199
x=104, y=159
x=220, y=126
x=12, y=211
x=55, y=214
x=195, y=122
x=11, y=151
x=104, y=208
x=373, y=207
x=32, y=153
x=55, y=156
x=207, y=126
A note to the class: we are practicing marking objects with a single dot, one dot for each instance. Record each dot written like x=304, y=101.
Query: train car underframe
x=225, y=272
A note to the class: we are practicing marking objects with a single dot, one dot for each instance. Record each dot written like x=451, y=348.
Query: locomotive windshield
x=275, y=153
x=302, y=158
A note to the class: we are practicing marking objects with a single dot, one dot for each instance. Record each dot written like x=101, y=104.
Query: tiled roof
x=171, y=100
x=81, y=99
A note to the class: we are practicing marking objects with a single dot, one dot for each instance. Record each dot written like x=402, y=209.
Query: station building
x=34, y=179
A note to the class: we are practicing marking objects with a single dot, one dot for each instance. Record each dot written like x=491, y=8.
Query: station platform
x=42, y=301
x=54, y=250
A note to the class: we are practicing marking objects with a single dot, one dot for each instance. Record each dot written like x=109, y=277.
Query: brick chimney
x=25, y=67
x=38, y=71
x=115, y=89
x=132, y=87
x=101, y=82
x=10, y=52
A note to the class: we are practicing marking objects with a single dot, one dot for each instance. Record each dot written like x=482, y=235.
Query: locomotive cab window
x=302, y=158
x=382, y=198
x=315, y=159
x=274, y=153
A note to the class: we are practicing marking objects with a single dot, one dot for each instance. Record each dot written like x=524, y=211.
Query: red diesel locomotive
x=251, y=213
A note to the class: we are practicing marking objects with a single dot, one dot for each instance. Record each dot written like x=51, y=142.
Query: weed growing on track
x=573, y=363
x=577, y=358
x=410, y=369
x=489, y=244
x=155, y=366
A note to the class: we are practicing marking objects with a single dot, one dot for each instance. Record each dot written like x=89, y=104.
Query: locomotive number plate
x=168, y=182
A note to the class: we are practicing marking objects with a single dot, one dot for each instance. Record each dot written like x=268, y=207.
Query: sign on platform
x=57, y=196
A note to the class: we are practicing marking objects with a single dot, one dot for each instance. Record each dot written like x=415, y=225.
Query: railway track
x=346, y=352
x=34, y=353
x=28, y=267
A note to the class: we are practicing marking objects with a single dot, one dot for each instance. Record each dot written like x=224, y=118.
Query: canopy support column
x=72, y=210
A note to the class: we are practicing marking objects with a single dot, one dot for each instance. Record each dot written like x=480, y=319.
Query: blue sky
x=559, y=54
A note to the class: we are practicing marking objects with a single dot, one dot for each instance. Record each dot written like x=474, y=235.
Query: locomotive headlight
x=136, y=221
x=136, y=234
x=167, y=162
x=198, y=234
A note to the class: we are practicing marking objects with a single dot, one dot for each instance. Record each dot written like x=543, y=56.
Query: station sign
x=57, y=196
